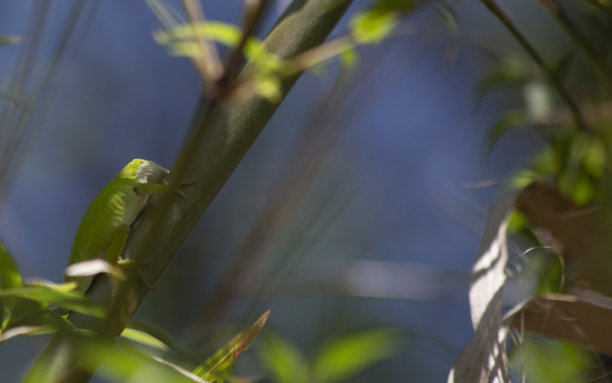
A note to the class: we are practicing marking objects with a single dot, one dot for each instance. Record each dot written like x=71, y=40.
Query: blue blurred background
x=369, y=202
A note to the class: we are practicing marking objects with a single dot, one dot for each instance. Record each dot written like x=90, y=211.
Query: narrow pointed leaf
x=144, y=338
x=9, y=278
x=216, y=368
x=511, y=120
x=56, y=295
x=30, y=319
x=9, y=272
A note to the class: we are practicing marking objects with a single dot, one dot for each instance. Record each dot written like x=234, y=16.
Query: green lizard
x=105, y=227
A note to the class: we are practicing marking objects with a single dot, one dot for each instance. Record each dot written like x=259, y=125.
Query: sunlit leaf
x=144, y=338
x=216, y=368
x=283, y=360
x=575, y=184
x=9, y=278
x=92, y=267
x=349, y=58
x=268, y=87
x=582, y=190
x=25, y=330
x=523, y=178
x=516, y=222
x=112, y=363
x=348, y=355
x=160, y=335
x=182, y=39
x=9, y=272
x=56, y=295
x=594, y=160
x=373, y=26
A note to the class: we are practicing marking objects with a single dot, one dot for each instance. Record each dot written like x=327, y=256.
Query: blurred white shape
x=401, y=280
x=537, y=100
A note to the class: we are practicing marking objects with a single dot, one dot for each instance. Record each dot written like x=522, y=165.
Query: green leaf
x=348, y=355
x=144, y=338
x=349, y=59
x=9, y=272
x=508, y=72
x=546, y=360
x=582, y=190
x=9, y=278
x=268, y=87
x=30, y=319
x=182, y=39
x=216, y=368
x=14, y=332
x=547, y=161
x=373, y=26
x=594, y=160
x=551, y=273
x=522, y=178
x=60, y=295
x=111, y=362
x=9, y=39
x=504, y=125
x=516, y=222
x=160, y=335
x=282, y=359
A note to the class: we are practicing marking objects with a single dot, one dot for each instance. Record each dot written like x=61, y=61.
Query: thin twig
x=22, y=135
x=8, y=130
x=208, y=63
x=253, y=17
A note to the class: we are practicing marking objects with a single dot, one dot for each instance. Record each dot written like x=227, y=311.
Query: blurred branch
x=562, y=18
x=535, y=56
x=224, y=131
x=601, y=5
x=208, y=63
x=594, y=113
x=252, y=18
